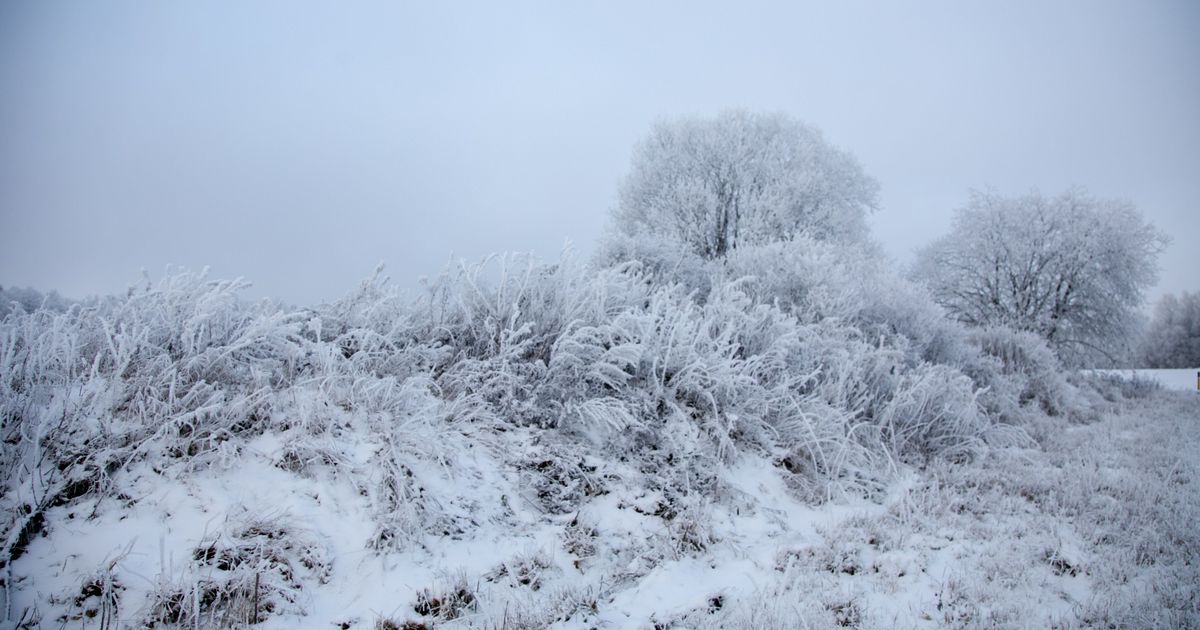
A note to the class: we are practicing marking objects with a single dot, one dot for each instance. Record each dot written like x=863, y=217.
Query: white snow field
x=567, y=448
x=1186, y=379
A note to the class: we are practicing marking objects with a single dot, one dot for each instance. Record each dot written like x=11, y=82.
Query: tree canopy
x=1071, y=268
x=743, y=178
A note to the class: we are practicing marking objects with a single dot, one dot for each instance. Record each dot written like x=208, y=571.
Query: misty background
x=300, y=144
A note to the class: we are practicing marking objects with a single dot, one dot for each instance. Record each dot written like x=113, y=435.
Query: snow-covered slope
x=533, y=446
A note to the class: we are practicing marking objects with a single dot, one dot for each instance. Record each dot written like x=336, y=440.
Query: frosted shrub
x=555, y=346
x=660, y=260
x=852, y=284
x=373, y=329
x=497, y=327
x=516, y=306
x=198, y=327
x=899, y=310
x=418, y=472
x=813, y=279
x=748, y=375
x=628, y=347
x=934, y=412
x=1030, y=365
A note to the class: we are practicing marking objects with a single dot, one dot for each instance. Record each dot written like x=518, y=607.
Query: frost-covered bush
x=760, y=363
x=853, y=284
x=659, y=260
x=1028, y=367
x=373, y=329
x=734, y=370
x=496, y=327
x=812, y=279
x=934, y=412
x=420, y=478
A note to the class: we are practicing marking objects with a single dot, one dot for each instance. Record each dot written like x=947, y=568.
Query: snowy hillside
x=537, y=445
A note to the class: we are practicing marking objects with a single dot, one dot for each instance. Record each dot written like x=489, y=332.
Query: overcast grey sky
x=298, y=144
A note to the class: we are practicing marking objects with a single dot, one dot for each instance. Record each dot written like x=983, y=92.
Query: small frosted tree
x=1072, y=268
x=740, y=179
x=1173, y=338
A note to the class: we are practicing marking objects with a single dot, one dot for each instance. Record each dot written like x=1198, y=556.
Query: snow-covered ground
x=1093, y=526
x=1187, y=379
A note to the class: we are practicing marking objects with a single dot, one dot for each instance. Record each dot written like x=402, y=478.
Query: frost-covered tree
x=1173, y=337
x=743, y=178
x=1071, y=268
